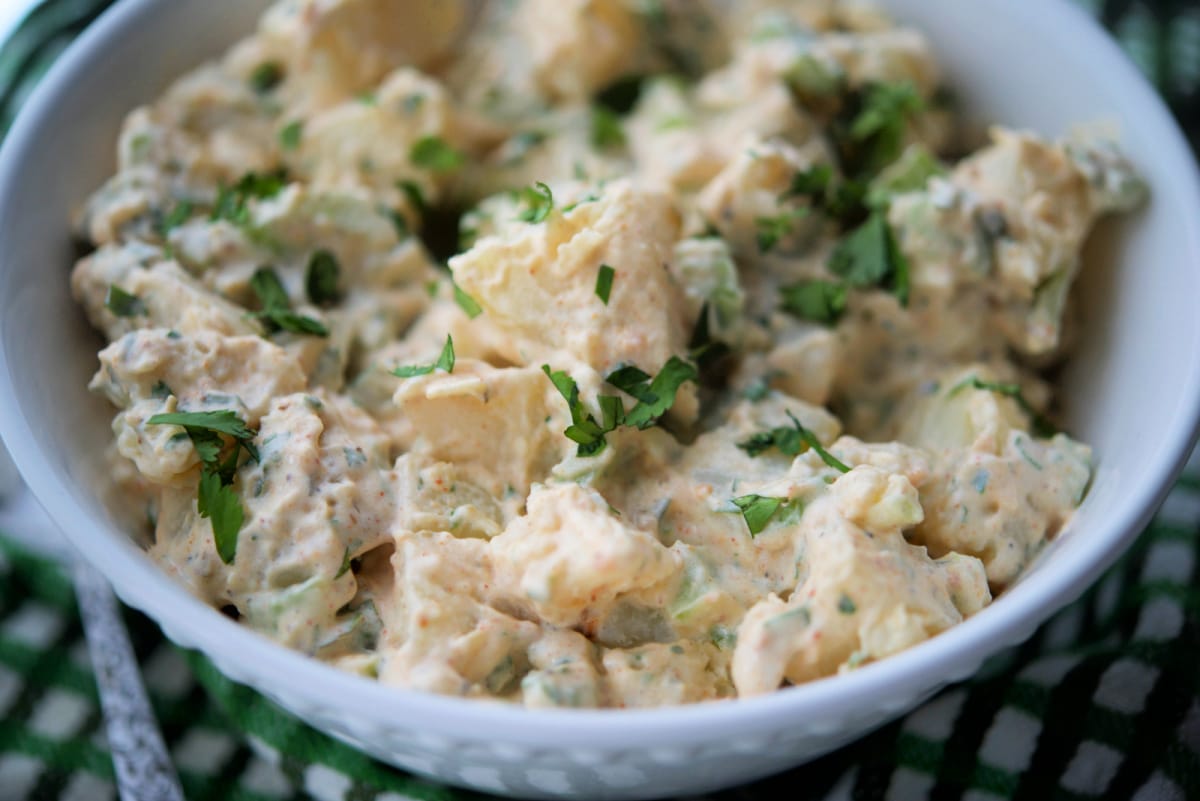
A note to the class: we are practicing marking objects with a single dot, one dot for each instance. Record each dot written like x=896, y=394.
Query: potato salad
x=589, y=353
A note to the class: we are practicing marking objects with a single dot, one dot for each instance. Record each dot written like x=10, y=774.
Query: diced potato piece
x=203, y=371
x=659, y=674
x=539, y=286
x=502, y=427
x=565, y=672
x=1003, y=506
x=570, y=557
x=865, y=594
x=440, y=634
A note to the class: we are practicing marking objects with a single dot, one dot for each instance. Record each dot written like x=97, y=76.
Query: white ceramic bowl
x=1133, y=391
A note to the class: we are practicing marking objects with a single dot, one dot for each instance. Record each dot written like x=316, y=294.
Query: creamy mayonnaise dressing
x=856, y=299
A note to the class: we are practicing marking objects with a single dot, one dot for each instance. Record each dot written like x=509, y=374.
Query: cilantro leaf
x=539, y=202
x=634, y=381
x=816, y=300
x=223, y=421
x=467, y=303
x=219, y=502
x=674, y=374
x=870, y=134
x=584, y=431
x=606, y=129
x=869, y=256
x=123, y=304
x=445, y=362
x=178, y=215
x=231, y=203
x=265, y=77
x=434, y=154
x=604, y=282
x=276, y=313
x=770, y=230
x=1042, y=427
x=289, y=135
x=813, y=183
x=321, y=278
x=757, y=511
x=791, y=442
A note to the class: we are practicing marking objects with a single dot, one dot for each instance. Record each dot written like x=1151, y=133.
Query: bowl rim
x=951, y=655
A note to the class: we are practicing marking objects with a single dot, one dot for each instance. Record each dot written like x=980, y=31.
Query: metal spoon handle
x=143, y=768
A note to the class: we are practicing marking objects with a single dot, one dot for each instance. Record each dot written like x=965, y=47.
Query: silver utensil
x=143, y=768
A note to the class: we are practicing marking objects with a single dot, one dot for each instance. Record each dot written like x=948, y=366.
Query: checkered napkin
x=1102, y=702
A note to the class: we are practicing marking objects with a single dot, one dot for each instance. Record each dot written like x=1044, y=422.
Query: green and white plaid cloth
x=1102, y=702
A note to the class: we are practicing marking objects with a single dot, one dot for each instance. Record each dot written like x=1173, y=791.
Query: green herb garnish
x=276, y=313
x=216, y=498
x=816, y=300
x=791, y=441
x=584, y=430
x=846, y=605
x=869, y=256
x=539, y=202
x=770, y=230
x=231, y=200
x=757, y=510
x=445, y=363
x=266, y=76
x=321, y=278
x=345, y=568
x=606, y=129
x=656, y=397
x=467, y=303
x=178, y=215
x=604, y=282
x=123, y=304
x=289, y=135
x=432, y=153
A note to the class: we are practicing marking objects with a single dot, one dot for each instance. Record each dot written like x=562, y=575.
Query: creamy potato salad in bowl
x=736, y=363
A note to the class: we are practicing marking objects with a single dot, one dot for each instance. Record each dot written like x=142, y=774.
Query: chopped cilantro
x=219, y=502
x=584, y=431
x=399, y=223
x=816, y=300
x=846, y=605
x=606, y=129
x=757, y=511
x=604, y=282
x=231, y=200
x=321, y=278
x=266, y=76
x=176, y=217
x=791, y=441
x=869, y=256
x=467, y=303
x=276, y=313
x=289, y=135
x=123, y=304
x=539, y=202
x=434, y=154
x=813, y=183
x=1042, y=427
x=871, y=133
x=770, y=230
x=445, y=363
x=216, y=499
x=656, y=398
